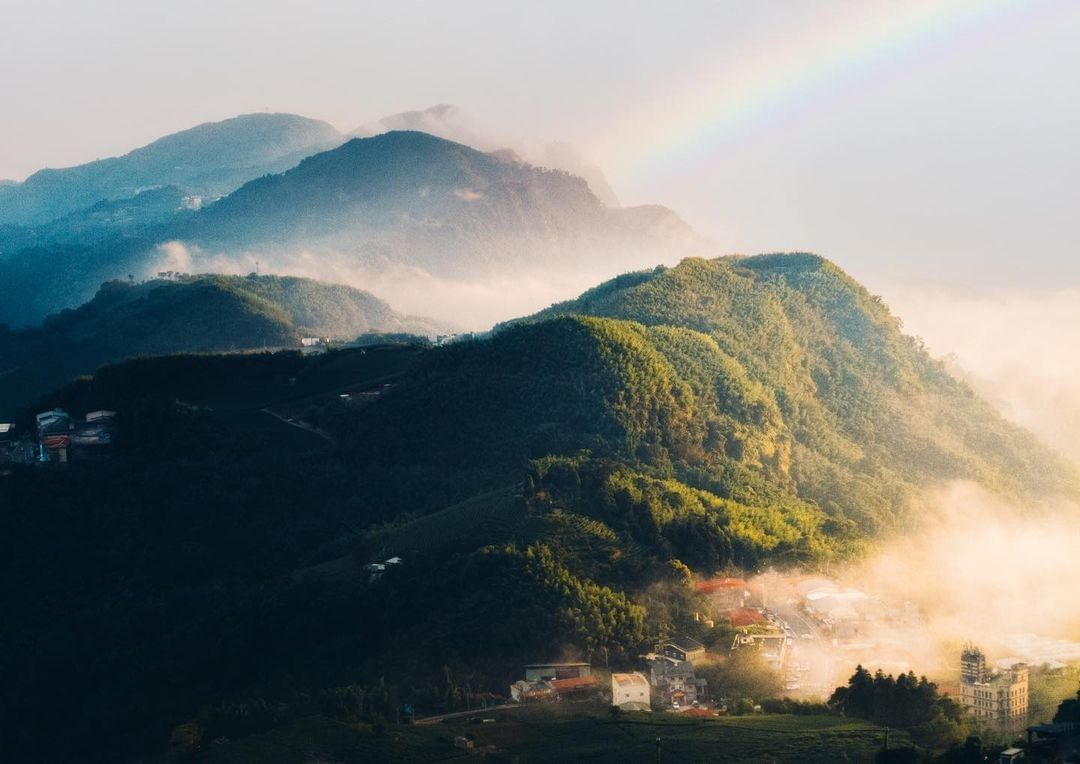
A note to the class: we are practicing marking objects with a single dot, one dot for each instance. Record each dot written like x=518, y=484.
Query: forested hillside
x=550, y=490
x=865, y=414
x=186, y=314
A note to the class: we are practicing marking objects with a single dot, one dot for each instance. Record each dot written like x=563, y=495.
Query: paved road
x=793, y=617
x=301, y=424
x=478, y=712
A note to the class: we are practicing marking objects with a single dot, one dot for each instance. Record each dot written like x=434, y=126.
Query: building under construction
x=996, y=699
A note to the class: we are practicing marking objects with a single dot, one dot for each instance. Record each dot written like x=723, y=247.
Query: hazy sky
x=929, y=148
x=908, y=141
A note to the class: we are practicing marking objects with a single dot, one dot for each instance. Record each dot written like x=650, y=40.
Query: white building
x=630, y=692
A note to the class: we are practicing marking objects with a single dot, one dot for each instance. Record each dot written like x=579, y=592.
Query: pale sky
x=909, y=141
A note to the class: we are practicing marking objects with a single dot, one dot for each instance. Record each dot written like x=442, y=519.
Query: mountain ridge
x=409, y=210
x=211, y=158
x=188, y=314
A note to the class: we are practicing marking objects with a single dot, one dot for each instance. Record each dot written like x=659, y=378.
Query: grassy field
x=571, y=733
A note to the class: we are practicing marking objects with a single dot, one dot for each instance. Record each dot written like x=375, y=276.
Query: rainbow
x=727, y=99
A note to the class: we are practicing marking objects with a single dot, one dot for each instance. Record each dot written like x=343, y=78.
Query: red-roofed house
x=746, y=616
x=575, y=687
x=725, y=593
x=55, y=448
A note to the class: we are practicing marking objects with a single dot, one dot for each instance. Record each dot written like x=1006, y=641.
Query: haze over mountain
x=418, y=219
x=448, y=121
x=208, y=160
x=188, y=314
x=418, y=200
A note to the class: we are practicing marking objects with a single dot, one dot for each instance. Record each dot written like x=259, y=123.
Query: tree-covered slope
x=774, y=381
x=549, y=488
x=188, y=314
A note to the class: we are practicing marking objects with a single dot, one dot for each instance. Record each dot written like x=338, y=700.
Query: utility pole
x=658, y=750
x=886, y=738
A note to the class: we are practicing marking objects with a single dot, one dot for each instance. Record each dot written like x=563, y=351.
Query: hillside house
x=630, y=692
x=7, y=432
x=53, y=422
x=525, y=691
x=377, y=569
x=547, y=671
x=1053, y=742
x=742, y=617
x=314, y=345
x=676, y=681
x=725, y=593
x=683, y=649
x=575, y=687
x=54, y=448
x=773, y=647
x=94, y=435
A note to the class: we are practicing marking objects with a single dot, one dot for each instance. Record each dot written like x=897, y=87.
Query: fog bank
x=1017, y=348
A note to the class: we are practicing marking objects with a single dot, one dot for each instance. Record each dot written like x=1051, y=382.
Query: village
x=811, y=632
x=58, y=438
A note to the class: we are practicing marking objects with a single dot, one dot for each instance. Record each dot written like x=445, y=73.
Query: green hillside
x=550, y=488
x=202, y=314
x=774, y=382
x=859, y=414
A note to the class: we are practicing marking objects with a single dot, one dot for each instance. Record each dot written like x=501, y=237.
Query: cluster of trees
x=905, y=701
x=742, y=674
x=1069, y=710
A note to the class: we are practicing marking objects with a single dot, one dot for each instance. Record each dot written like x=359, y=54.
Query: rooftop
x=629, y=680
x=744, y=616
x=687, y=644
x=720, y=584
x=573, y=683
x=555, y=665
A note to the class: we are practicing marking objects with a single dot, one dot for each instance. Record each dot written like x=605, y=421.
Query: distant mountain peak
x=449, y=121
x=209, y=159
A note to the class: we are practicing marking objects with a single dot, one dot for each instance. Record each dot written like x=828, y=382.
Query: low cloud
x=981, y=568
x=975, y=569
x=468, y=194
x=473, y=304
x=1016, y=348
x=174, y=256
